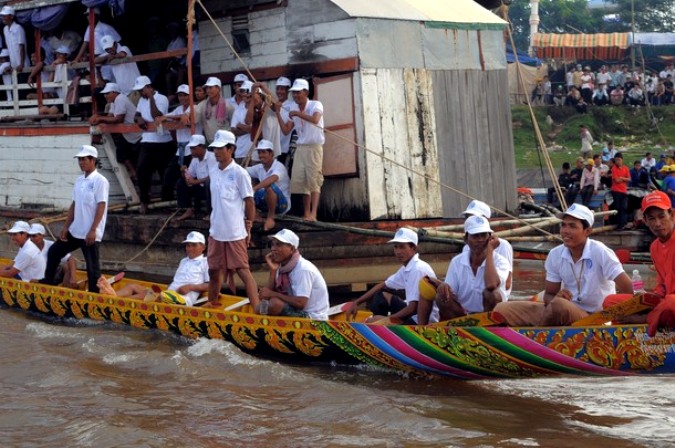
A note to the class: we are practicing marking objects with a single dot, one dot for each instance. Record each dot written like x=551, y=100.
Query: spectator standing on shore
x=122, y=111
x=590, y=182
x=648, y=162
x=620, y=180
x=307, y=120
x=124, y=74
x=15, y=41
x=101, y=29
x=157, y=148
x=564, y=180
x=85, y=222
x=212, y=113
x=586, y=142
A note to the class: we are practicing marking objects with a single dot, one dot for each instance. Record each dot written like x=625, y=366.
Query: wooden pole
x=190, y=23
x=38, y=61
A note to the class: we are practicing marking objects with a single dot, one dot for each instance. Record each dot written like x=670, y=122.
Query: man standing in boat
x=85, y=222
x=476, y=279
x=295, y=286
x=580, y=273
x=28, y=264
x=232, y=215
x=381, y=300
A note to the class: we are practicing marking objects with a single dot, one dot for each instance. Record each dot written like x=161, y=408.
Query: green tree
x=573, y=16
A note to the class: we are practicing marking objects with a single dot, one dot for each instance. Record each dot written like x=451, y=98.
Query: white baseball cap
x=141, y=82
x=287, y=236
x=300, y=84
x=241, y=78
x=476, y=224
x=196, y=140
x=111, y=87
x=20, y=227
x=478, y=208
x=36, y=229
x=7, y=11
x=580, y=212
x=107, y=41
x=87, y=151
x=183, y=88
x=63, y=49
x=283, y=81
x=404, y=235
x=264, y=145
x=223, y=138
x=195, y=237
x=246, y=85
x=212, y=81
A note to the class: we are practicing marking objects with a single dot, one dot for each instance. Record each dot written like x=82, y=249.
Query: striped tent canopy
x=609, y=46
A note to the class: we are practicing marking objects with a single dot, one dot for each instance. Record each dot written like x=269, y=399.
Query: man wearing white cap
x=124, y=74
x=193, y=186
x=28, y=264
x=67, y=266
x=307, y=120
x=232, y=215
x=189, y=282
x=240, y=126
x=122, y=111
x=157, y=148
x=85, y=222
x=475, y=281
x=295, y=286
x=101, y=29
x=272, y=192
x=480, y=208
x=214, y=112
x=15, y=39
x=580, y=273
x=381, y=299
x=237, y=98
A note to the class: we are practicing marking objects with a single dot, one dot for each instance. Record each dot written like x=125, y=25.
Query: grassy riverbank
x=634, y=131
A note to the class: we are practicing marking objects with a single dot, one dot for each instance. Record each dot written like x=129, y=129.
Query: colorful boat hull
x=458, y=352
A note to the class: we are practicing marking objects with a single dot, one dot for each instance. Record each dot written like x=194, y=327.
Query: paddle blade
x=485, y=319
x=633, y=305
x=427, y=289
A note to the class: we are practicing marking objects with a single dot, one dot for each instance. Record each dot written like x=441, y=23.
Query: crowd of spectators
x=615, y=86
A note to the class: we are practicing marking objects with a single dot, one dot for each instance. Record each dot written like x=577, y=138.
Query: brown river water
x=73, y=384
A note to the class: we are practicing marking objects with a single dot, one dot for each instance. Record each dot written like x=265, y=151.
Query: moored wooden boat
x=458, y=352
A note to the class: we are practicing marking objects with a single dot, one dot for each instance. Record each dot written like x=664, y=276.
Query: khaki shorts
x=227, y=255
x=307, y=165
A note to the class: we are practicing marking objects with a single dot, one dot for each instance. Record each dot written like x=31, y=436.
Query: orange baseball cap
x=657, y=199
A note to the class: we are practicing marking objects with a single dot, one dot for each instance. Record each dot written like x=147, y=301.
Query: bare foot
x=211, y=304
x=105, y=287
x=269, y=224
x=189, y=213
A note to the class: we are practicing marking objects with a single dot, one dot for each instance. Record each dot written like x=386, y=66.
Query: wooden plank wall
x=399, y=124
x=39, y=171
x=475, y=139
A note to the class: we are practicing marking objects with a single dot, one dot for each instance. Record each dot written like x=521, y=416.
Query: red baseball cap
x=657, y=199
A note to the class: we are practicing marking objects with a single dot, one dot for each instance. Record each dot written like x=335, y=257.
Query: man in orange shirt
x=620, y=180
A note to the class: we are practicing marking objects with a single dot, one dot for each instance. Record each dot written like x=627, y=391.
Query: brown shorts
x=307, y=165
x=227, y=255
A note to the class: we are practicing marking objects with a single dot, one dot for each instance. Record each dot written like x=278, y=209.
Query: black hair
x=566, y=165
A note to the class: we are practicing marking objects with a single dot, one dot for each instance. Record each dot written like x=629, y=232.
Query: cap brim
x=82, y=154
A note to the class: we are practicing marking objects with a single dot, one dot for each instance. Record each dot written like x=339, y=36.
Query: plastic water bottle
x=638, y=284
x=264, y=307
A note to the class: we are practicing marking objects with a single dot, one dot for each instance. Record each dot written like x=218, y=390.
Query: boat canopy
x=47, y=15
x=600, y=46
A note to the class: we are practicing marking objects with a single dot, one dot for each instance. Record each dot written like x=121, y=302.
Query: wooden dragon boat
x=459, y=352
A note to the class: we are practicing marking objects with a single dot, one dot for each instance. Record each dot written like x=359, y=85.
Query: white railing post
x=15, y=92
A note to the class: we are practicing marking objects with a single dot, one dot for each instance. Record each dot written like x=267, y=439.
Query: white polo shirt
x=283, y=182
x=193, y=271
x=143, y=108
x=590, y=279
x=199, y=169
x=309, y=133
x=469, y=287
x=307, y=281
x=229, y=188
x=505, y=250
x=125, y=74
x=88, y=192
x=243, y=141
x=29, y=262
x=408, y=278
x=123, y=106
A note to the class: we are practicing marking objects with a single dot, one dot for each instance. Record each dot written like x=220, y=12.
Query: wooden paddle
x=239, y=304
x=637, y=303
x=485, y=319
